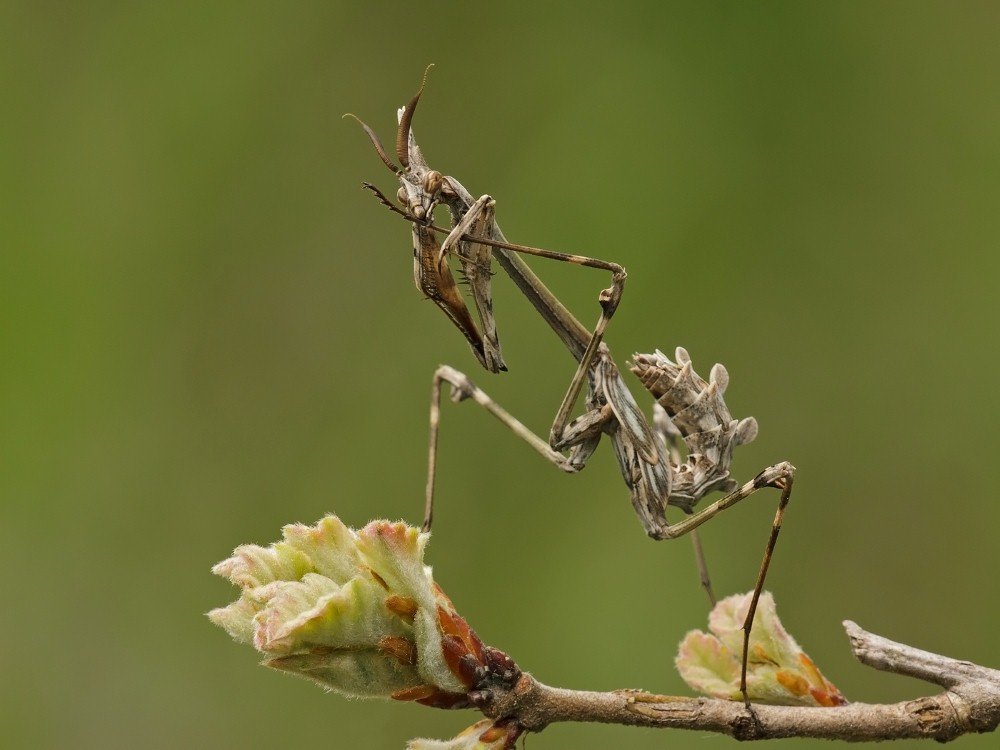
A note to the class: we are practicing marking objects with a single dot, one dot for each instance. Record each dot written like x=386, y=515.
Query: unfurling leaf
x=483, y=735
x=778, y=670
x=357, y=612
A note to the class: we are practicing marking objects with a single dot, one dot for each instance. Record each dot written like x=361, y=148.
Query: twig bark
x=970, y=703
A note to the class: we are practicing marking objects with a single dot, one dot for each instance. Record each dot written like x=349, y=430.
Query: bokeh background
x=208, y=330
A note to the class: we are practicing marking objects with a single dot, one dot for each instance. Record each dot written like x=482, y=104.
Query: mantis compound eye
x=401, y=196
x=432, y=182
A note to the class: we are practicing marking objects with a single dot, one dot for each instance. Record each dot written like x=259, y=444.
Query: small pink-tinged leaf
x=778, y=671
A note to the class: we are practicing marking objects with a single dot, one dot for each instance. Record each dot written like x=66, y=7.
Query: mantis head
x=421, y=188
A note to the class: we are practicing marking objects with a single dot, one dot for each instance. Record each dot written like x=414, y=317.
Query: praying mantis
x=687, y=408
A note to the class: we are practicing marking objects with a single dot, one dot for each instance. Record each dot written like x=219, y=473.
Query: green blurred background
x=208, y=330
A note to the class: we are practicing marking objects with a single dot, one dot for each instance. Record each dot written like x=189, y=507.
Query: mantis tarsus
x=687, y=407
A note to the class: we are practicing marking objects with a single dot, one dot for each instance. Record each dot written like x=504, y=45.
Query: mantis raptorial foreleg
x=582, y=344
x=475, y=256
x=473, y=242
